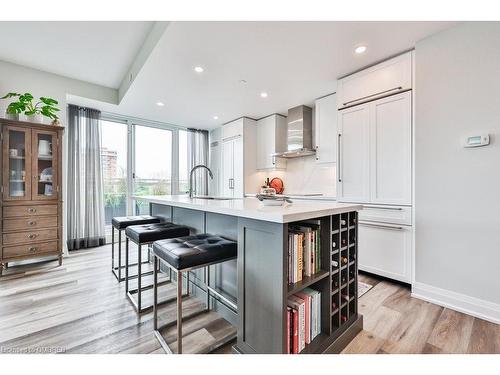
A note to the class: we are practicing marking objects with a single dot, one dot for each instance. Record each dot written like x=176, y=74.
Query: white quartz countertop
x=252, y=208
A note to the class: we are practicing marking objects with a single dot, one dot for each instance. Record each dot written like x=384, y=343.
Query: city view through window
x=153, y=166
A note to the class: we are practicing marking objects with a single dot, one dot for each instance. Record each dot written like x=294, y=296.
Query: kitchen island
x=257, y=282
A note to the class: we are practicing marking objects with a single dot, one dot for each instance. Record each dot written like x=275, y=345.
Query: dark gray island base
x=257, y=282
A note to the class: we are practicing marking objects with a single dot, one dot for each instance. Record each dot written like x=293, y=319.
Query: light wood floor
x=394, y=322
x=81, y=308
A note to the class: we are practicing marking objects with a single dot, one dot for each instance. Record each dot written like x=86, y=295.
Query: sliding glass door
x=114, y=160
x=153, y=164
x=139, y=158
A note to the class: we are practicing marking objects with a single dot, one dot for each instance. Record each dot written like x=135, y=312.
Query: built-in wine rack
x=344, y=275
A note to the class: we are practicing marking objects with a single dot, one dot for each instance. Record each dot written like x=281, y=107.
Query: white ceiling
x=96, y=52
x=294, y=62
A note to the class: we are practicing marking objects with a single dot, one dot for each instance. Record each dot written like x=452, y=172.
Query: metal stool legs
x=178, y=321
x=117, y=269
x=138, y=305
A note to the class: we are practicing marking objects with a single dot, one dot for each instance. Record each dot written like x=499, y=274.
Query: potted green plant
x=45, y=107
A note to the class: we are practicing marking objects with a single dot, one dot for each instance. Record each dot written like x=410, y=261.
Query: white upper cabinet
x=353, y=173
x=271, y=138
x=233, y=129
x=375, y=151
x=390, y=127
x=325, y=129
x=386, y=78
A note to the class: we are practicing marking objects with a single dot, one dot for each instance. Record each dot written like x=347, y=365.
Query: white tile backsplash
x=305, y=176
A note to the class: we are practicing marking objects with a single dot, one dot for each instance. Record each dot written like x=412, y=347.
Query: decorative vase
x=35, y=118
x=12, y=116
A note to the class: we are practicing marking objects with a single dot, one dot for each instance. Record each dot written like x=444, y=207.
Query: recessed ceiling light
x=243, y=81
x=160, y=104
x=216, y=117
x=263, y=94
x=198, y=69
x=360, y=49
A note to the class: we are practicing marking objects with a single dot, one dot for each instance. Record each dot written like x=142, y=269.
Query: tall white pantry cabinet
x=238, y=164
x=375, y=163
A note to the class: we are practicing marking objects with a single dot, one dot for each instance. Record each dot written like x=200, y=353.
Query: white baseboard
x=476, y=307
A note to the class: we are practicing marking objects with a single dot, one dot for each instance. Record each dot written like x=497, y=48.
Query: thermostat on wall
x=477, y=140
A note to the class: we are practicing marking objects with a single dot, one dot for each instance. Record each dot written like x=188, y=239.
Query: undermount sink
x=212, y=198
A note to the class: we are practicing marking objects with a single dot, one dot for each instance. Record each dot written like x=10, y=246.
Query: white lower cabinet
x=386, y=250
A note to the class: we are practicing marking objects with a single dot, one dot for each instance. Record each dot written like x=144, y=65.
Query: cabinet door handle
x=32, y=249
x=372, y=95
x=339, y=145
x=32, y=210
x=32, y=236
x=383, y=208
x=390, y=227
x=31, y=222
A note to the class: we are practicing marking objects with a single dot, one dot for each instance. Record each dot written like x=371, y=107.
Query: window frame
x=131, y=122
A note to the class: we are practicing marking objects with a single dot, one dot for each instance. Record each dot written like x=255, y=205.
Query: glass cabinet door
x=44, y=162
x=16, y=163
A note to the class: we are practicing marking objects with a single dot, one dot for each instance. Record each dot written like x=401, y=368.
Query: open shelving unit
x=337, y=281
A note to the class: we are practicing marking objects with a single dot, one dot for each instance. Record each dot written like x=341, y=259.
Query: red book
x=288, y=330
x=295, y=314
x=307, y=300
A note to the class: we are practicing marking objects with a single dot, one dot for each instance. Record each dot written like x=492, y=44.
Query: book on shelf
x=304, y=252
x=303, y=319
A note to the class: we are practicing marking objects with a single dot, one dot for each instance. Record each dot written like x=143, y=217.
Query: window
x=183, y=162
x=114, y=169
x=153, y=164
x=138, y=158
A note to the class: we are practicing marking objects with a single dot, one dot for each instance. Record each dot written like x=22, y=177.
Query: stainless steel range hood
x=299, y=133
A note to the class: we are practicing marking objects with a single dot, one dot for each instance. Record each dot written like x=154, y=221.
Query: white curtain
x=197, y=145
x=85, y=185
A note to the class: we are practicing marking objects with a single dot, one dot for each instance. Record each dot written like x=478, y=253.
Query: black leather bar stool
x=146, y=235
x=183, y=255
x=120, y=224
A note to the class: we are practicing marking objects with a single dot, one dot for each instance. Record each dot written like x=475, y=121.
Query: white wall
x=15, y=78
x=457, y=190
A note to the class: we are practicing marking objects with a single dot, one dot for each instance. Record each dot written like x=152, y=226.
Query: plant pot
x=35, y=118
x=12, y=116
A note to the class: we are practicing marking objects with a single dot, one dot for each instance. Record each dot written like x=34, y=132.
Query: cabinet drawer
x=30, y=210
x=30, y=236
x=385, y=250
x=29, y=223
x=386, y=78
x=386, y=214
x=26, y=250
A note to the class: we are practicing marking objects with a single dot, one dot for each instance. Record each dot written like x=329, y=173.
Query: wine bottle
x=343, y=222
x=343, y=318
x=343, y=259
x=335, y=263
x=344, y=297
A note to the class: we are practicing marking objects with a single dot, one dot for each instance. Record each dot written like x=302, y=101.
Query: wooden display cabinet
x=31, y=191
